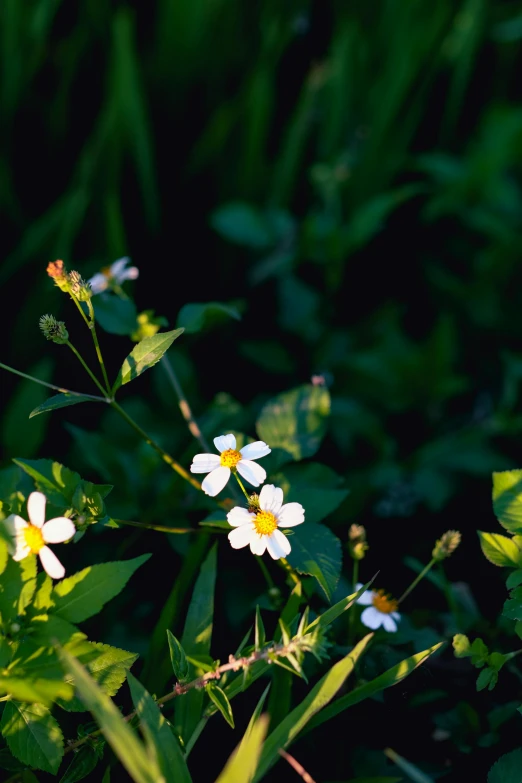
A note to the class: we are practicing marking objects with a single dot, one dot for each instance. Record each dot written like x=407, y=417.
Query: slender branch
x=80, y=308
x=61, y=389
x=417, y=580
x=245, y=493
x=92, y=327
x=86, y=366
x=184, y=407
x=297, y=766
x=161, y=528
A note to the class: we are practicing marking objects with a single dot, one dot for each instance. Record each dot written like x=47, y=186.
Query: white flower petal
x=271, y=498
x=98, y=283
x=395, y=615
x=366, y=599
x=258, y=544
x=389, y=623
x=36, y=508
x=215, y=481
x=225, y=442
x=129, y=274
x=278, y=545
x=14, y=524
x=204, y=463
x=372, y=618
x=291, y=514
x=251, y=472
x=20, y=549
x=241, y=536
x=118, y=267
x=57, y=530
x=255, y=450
x=51, y=563
x=239, y=516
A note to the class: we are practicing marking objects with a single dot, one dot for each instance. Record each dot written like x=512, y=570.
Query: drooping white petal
x=291, y=514
x=251, y=472
x=118, y=267
x=278, y=545
x=14, y=524
x=215, y=481
x=241, y=536
x=239, y=516
x=57, y=530
x=255, y=450
x=129, y=274
x=20, y=549
x=98, y=283
x=389, y=623
x=366, y=599
x=225, y=442
x=371, y=618
x=51, y=563
x=204, y=463
x=258, y=544
x=271, y=498
x=395, y=615
x=36, y=508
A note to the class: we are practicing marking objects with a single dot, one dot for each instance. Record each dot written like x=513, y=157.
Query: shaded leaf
x=296, y=420
x=114, y=314
x=507, y=768
x=84, y=760
x=317, y=551
x=196, y=317
x=177, y=658
x=57, y=482
x=62, y=400
x=242, y=224
x=33, y=735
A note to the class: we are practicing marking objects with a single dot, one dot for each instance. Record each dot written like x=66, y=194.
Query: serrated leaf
x=84, y=760
x=144, y=356
x=84, y=594
x=317, y=551
x=507, y=768
x=33, y=735
x=177, y=658
x=114, y=314
x=500, y=550
x=108, y=666
x=46, y=629
x=124, y=742
x=243, y=763
x=220, y=699
x=57, y=482
x=17, y=587
x=507, y=499
x=296, y=420
x=198, y=316
x=63, y=400
x=159, y=735
x=34, y=690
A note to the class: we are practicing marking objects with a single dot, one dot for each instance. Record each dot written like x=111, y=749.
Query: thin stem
x=355, y=573
x=61, y=389
x=417, y=580
x=184, y=407
x=351, y=615
x=296, y=766
x=245, y=493
x=195, y=735
x=80, y=308
x=92, y=327
x=161, y=528
x=86, y=366
x=266, y=573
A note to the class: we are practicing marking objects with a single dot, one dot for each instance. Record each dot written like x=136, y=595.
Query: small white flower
x=260, y=529
x=32, y=537
x=115, y=274
x=381, y=610
x=218, y=468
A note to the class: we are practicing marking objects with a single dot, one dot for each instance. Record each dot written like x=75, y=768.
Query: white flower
x=32, y=537
x=381, y=610
x=115, y=274
x=260, y=529
x=218, y=468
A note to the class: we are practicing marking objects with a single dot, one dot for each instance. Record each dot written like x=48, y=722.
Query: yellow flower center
x=383, y=602
x=230, y=458
x=265, y=523
x=34, y=538
x=107, y=272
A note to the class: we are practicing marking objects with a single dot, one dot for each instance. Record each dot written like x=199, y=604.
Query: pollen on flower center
x=383, y=602
x=34, y=538
x=107, y=272
x=230, y=458
x=265, y=523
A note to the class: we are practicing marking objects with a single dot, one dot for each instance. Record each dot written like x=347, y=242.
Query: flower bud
x=58, y=272
x=79, y=287
x=446, y=545
x=357, y=544
x=147, y=324
x=253, y=503
x=53, y=330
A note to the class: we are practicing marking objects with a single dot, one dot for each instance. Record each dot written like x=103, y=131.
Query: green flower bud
x=446, y=545
x=147, y=324
x=79, y=287
x=53, y=330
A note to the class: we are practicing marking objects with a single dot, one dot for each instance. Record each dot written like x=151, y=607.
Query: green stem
x=355, y=573
x=417, y=579
x=245, y=493
x=80, y=308
x=163, y=454
x=161, y=528
x=351, y=614
x=183, y=404
x=51, y=385
x=266, y=573
x=92, y=327
x=86, y=367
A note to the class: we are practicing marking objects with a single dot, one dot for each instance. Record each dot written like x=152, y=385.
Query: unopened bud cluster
x=357, y=543
x=53, y=330
x=70, y=282
x=446, y=545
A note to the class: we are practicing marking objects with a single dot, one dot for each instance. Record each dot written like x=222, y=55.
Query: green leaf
x=514, y=579
x=296, y=420
x=197, y=317
x=328, y=617
x=500, y=550
x=513, y=606
x=507, y=768
x=57, y=482
x=34, y=690
x=461, y=646
x=46, y=629
x=243, y=763
x=145, y=355
x=60, y=401
x=287, y=731
x=178, y=658
x=390, y=677
x=3, y=554
x=108, y=666
x=33, y=735
x=487, y=679
x=260, y=634
x=125, y=744
x=221, y=701
x=196, y=639
x=315, y=486
x=84, y=760
x=317, y=551
x=507, y=499
x=84, y=594
x=242, y=224
x=159, y=735
x=17, y=587
x=114, y=314
x=479, y=653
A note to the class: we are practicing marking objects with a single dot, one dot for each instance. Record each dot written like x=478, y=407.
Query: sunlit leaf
x=60, y=401
x=144, y=356
x=33, y=735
